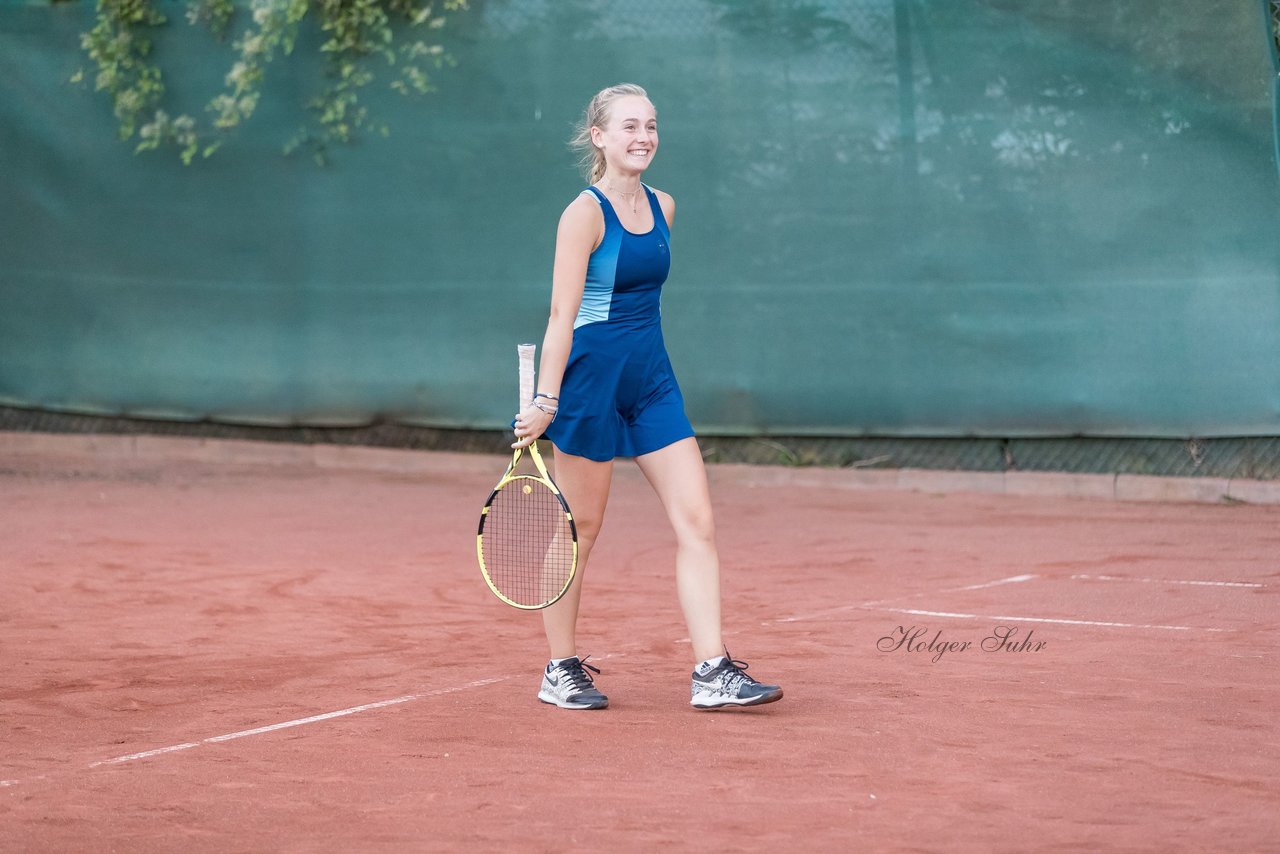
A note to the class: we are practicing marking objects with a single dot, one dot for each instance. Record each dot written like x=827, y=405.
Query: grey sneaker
x=569, y=686
x=727, y=684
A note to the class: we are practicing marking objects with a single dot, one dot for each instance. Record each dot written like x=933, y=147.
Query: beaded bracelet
x=551, y=412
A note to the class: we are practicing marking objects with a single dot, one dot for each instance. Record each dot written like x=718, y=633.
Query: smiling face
x=630, y=137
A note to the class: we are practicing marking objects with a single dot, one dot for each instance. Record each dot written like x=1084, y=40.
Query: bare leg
x=676, y=473
x=585, y=484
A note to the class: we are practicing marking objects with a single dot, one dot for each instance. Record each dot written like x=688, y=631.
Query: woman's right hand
x=531, y=423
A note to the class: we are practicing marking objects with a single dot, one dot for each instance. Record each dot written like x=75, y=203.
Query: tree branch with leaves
x=358, y=37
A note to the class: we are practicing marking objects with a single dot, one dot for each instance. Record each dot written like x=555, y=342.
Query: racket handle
x=526, y=352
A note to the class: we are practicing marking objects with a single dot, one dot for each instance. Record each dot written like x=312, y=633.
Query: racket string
x=528, y=543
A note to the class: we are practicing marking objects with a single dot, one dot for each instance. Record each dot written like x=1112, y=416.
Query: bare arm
x=580, y=231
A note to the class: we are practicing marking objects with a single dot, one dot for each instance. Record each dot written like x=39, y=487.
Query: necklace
x=634, y=194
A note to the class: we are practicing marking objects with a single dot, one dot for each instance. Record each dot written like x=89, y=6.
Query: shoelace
x=578, y=676
x=736, y=677
x=732, y=676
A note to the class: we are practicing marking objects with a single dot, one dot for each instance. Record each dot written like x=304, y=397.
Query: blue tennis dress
x=619, y=396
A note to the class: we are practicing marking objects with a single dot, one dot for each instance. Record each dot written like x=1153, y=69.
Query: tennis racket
x=527, y=542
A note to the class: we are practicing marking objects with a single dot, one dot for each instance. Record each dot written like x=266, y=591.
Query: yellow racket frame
x=545, y=478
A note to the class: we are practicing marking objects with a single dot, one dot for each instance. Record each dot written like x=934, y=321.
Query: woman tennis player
x=606, y=390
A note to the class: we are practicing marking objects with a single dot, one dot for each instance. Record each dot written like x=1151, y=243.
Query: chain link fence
x=1253, y=457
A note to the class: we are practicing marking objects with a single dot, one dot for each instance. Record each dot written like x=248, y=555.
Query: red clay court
x=214, y=646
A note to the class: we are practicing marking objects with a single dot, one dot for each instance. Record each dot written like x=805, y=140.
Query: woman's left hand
x=531, y=423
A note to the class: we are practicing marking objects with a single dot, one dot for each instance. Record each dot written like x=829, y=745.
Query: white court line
x=1013, y=579
x=217, y=739
x=1171, y=581
x=395, y=701
x=795, y=618
x=1050, y=620
x=146, y=753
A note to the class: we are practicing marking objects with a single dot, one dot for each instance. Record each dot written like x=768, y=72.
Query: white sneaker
x=569, y=686
x=728, y=685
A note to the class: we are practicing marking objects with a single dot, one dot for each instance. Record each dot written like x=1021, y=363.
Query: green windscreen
x=921, y=217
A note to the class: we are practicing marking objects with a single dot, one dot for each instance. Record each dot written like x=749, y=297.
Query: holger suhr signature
x=915, y=639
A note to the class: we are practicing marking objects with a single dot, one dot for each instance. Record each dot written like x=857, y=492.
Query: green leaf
x=119, y=45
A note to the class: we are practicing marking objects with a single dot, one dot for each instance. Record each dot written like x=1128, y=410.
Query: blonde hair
x=591, y=161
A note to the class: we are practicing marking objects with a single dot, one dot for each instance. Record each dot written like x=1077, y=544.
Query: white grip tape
x=526, y=352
